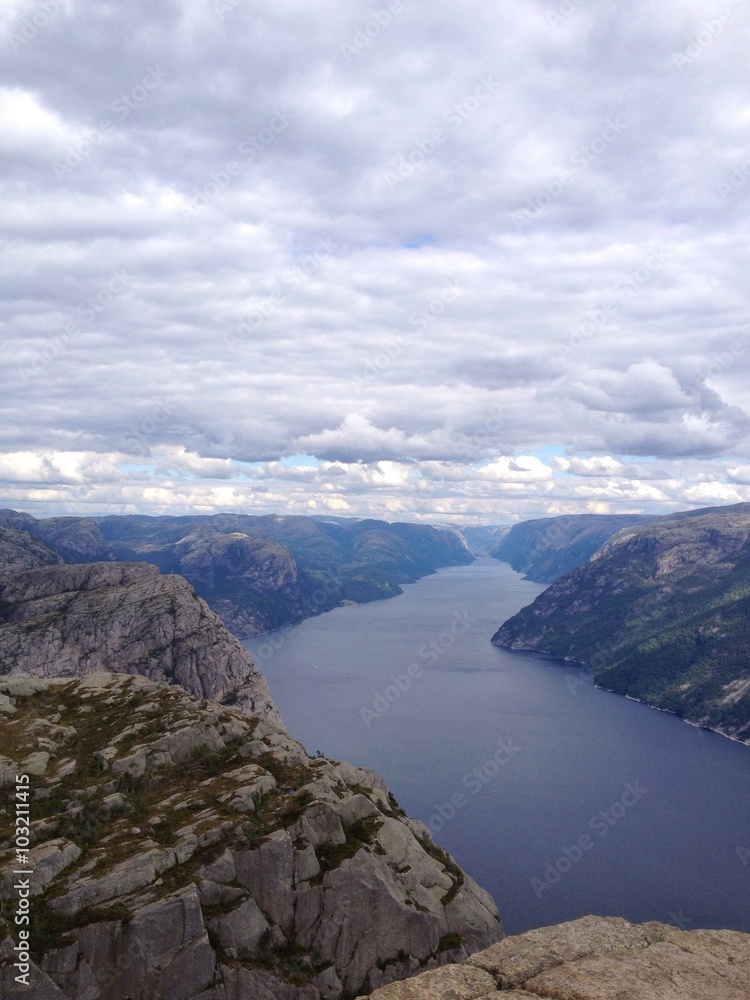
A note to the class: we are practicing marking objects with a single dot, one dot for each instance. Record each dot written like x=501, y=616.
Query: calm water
x=559, y=798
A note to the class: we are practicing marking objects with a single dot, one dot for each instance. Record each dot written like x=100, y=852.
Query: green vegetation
x=358, y=835
x=449, y=941
x=449, y=865
x=663, y=615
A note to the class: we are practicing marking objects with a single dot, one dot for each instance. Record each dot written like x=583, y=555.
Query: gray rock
x=457, y=982
x=268, y=873
x=126, y=877
x=241, y=931
x=254, y=984
x=316, y=881
x=595, y=958
x=125, y=617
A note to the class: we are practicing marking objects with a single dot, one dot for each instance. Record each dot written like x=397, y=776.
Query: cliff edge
x=184, y=850
x=594, y=958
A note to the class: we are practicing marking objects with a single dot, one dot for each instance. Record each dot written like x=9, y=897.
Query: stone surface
x=69, y=621
x=197, y=852
x=597, y=958
x=457, y=982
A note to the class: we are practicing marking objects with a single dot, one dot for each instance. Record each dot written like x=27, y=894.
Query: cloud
x=417, y=247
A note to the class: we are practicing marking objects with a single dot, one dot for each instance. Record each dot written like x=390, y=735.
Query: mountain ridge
x=259, y=572
x=549, y=547
x=660, y=613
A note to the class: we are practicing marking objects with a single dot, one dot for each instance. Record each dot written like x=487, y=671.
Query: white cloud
x=282, y=290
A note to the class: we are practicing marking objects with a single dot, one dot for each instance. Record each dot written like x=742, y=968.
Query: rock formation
x=67, y=621
x=659, y=613
x=258, y=573
x=19, y=551
x=594, y=958
x=183, y=849
x=547, y=548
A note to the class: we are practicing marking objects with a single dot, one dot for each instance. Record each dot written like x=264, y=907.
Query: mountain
x=183, y=849
x=546, y=549
x=483, y=539
x=258, y=573
x=19, y=550
x=64, y=621
x=594, y=958
x=181, y=844
x=660, y=613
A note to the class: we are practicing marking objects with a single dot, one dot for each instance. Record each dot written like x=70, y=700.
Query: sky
x=473, y=262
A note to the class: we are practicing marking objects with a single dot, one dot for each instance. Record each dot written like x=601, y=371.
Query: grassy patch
x=448, y=942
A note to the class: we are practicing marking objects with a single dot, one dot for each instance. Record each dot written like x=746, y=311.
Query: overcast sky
x=471, y=261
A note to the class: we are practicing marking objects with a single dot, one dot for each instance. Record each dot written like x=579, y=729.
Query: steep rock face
x=660, y=613
x=252, y=583
x=484, y=539
x=594, y=958
x=75, y=539
x=259, y=573
x=67, y=621
x=19, y=551
x=185, y=850
x=547, y=548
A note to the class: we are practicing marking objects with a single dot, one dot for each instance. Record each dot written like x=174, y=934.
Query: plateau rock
x=67, y=621
x=186, y=850
x=594, y=958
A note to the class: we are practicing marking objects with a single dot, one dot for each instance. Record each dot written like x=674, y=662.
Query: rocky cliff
x=659, y=613
x=66, y=621
x=181, y=849
x=258, y=573
x=547, y=548
x=19, y=551
x=595, y=958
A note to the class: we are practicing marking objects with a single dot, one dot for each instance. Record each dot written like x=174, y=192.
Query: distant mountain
x=58, y=620
x=179, y=843
x=547, y=548
x=661, y=612
x=483, y=539
x=258, y=573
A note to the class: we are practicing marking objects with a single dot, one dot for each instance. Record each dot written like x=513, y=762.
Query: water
x=583, y=801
